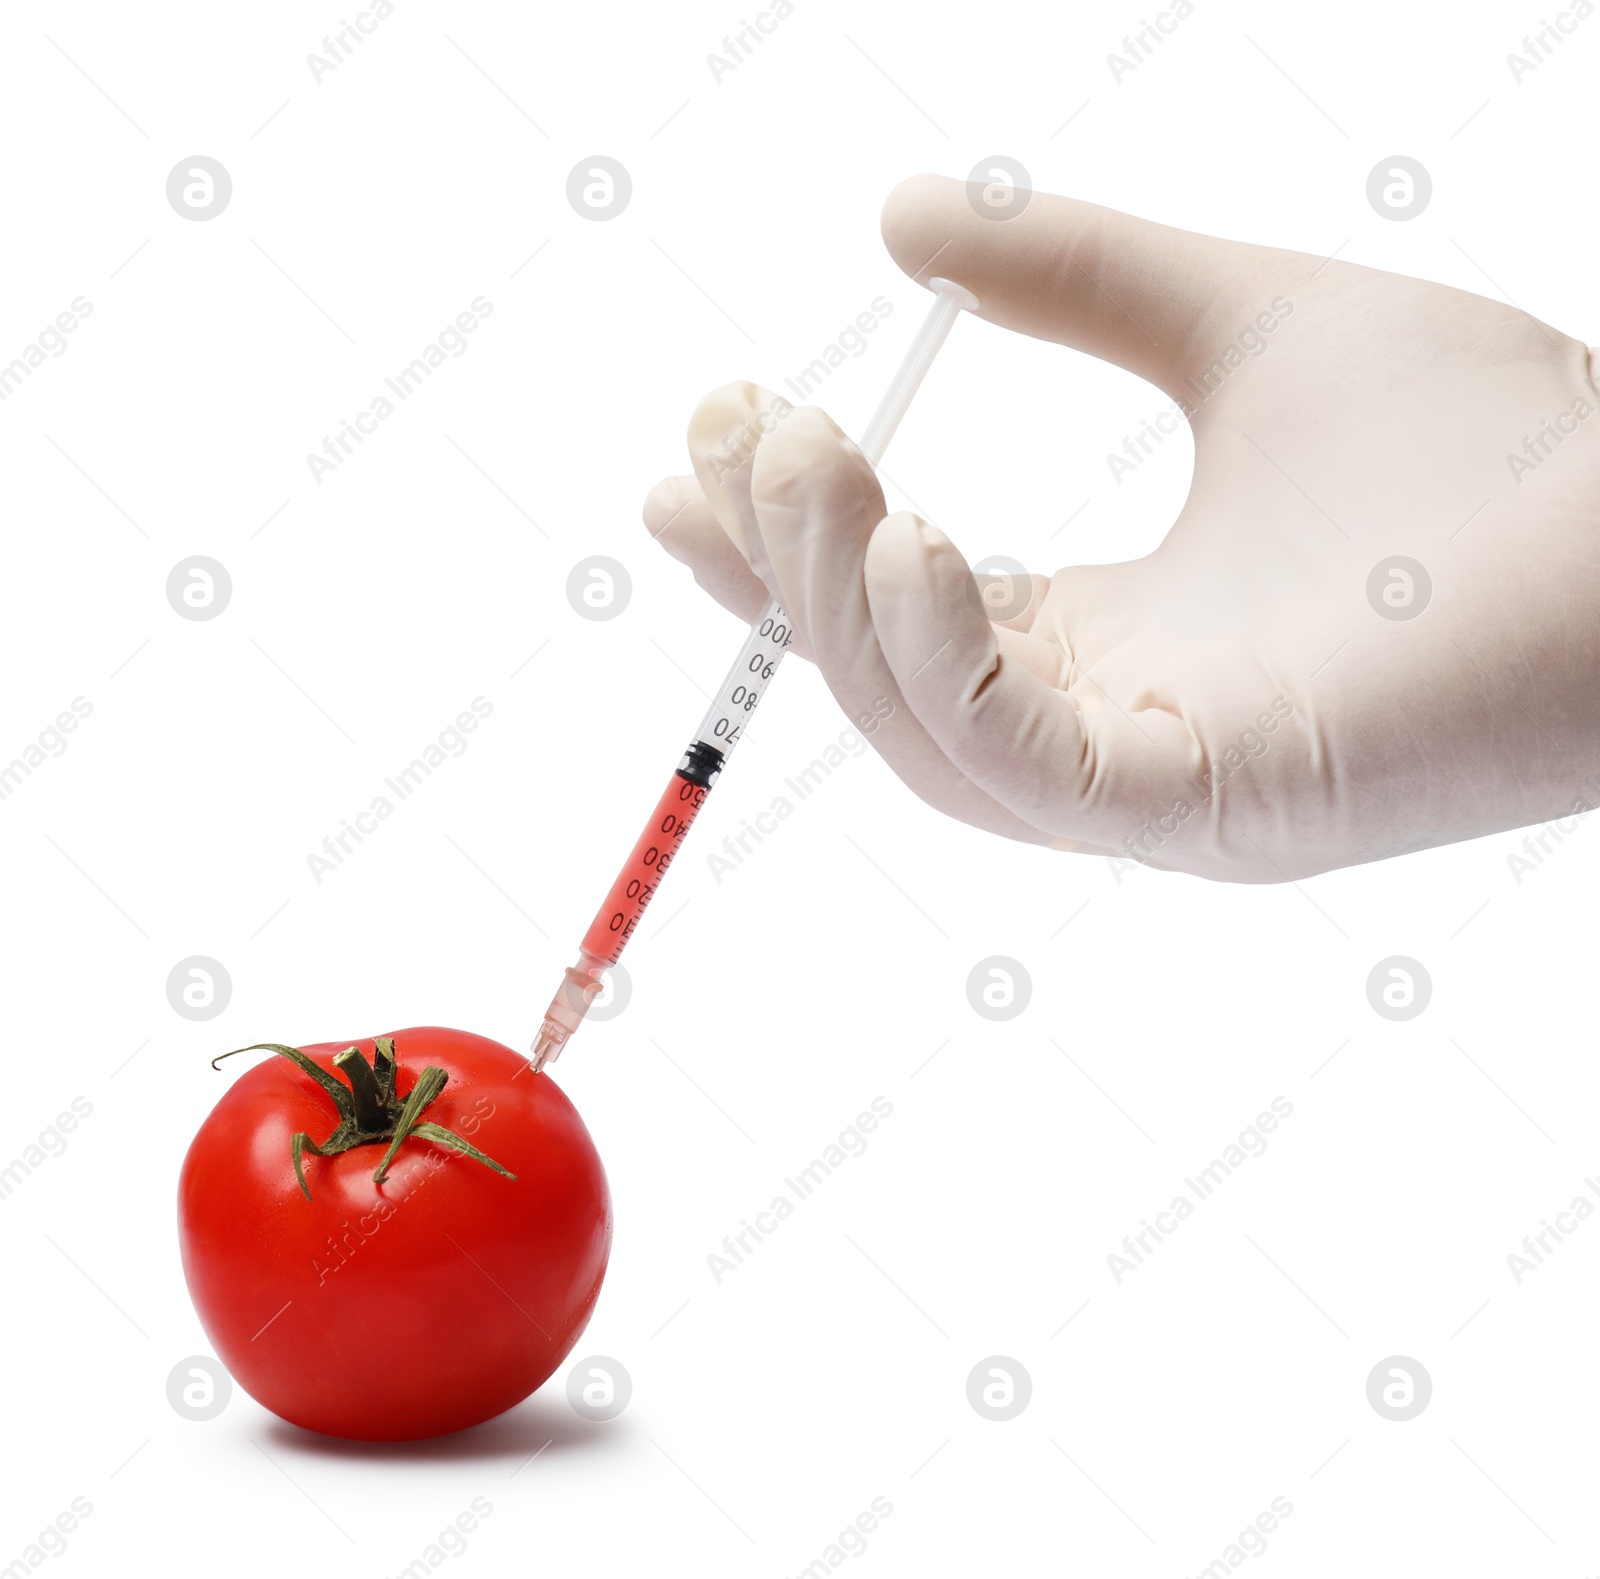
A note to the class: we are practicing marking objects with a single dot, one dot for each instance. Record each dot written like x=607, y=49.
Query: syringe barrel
x=615, y=921
x=746, y=682
x=618, y=918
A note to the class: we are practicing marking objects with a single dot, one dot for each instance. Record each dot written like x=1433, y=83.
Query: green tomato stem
x=370, y=1108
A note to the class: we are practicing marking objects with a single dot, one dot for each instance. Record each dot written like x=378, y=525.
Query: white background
x=830, y=968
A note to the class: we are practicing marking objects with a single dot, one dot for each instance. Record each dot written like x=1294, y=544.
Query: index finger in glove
x=816, y=503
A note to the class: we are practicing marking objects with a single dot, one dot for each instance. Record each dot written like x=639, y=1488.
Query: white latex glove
x=1233, y=705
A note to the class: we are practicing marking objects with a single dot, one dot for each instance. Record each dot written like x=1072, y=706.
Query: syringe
x=721, y=729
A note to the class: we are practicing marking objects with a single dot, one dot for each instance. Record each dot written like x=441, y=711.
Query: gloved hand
x=1374, y=627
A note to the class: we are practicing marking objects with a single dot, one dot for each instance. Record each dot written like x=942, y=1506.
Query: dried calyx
x=370, y=1109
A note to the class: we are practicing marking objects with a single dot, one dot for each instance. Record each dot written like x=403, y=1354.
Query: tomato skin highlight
x=407, y=1309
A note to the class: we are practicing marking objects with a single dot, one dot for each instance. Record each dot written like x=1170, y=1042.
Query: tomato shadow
x=536, y=1428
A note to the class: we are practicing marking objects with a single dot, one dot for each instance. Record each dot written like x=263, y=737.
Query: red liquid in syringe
x=635, y=887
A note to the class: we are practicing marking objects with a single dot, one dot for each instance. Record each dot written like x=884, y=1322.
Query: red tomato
x=417, y=1305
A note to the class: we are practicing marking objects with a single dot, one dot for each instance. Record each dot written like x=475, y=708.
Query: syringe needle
x=722, y=727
